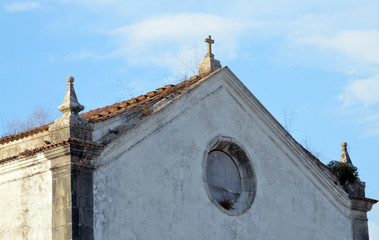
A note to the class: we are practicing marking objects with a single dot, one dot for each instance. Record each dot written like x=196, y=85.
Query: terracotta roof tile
x=24, y=134
x=151, y=94
x=194, y=77
x=111, y=111
x=139, y=102
x=159, y=90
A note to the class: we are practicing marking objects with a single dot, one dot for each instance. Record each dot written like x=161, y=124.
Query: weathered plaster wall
x=25, y=199
x=151, y=184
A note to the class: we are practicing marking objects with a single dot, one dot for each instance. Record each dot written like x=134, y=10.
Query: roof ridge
x=110, y=111
x=25, y=133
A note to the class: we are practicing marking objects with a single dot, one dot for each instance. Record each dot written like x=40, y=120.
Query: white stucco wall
x=25, y=199
x=151, y=184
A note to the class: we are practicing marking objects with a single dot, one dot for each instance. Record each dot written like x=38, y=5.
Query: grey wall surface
x=150, y=183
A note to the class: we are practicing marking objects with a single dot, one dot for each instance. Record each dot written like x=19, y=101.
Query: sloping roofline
x=146, y=101
x=107, y=112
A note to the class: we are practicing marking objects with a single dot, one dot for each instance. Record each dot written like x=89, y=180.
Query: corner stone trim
x=72, y=190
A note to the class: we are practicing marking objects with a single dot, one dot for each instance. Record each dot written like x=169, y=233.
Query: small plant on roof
x=226, y=202
x=146, y=109
x=344, y=171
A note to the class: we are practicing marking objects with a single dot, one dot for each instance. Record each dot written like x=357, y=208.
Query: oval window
x=230, y=179
x=223, y=178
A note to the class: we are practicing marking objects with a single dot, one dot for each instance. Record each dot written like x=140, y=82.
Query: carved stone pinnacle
x=71, y=125
x=345, y=158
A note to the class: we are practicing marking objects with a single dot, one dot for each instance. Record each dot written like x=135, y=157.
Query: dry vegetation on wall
x=40, y=116
x=226, y=203
x=345, y=172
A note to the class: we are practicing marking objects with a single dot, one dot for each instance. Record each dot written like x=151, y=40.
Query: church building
x=202, y=159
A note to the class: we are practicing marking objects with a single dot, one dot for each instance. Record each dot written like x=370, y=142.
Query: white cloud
x=360, y=104
x=355, y=53
x=72, y=57
x=370, y=122
x=360, y=46
x=337, y=41
x=362, y=91
x=92, y=3
x=21, y=6
x=176, y=27
x=153, y=40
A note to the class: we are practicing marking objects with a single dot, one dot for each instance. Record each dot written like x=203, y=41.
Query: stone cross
x=209, y=64
x=210, y=41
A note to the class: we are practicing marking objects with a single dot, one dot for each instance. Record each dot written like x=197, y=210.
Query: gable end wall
x=150, y=182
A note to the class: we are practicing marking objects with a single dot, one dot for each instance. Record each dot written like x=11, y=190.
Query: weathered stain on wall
x=25, y=199
x=150, y=182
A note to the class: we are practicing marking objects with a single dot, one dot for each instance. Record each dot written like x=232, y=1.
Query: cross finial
x=209, y=64
x=210, y=41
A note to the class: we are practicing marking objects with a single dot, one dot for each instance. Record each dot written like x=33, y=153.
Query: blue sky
x=313, y=64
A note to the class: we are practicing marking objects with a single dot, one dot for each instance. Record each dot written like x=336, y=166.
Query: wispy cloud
x=369, y=121
x=362, y=91
x=21, y=6
x=85, y=54
x=360, y=46
x=360, y=100
x=92, y=2
x=337, y=41
x=153, y=40
x=355, y=53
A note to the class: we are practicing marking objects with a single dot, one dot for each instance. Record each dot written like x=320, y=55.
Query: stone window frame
x=245, y=167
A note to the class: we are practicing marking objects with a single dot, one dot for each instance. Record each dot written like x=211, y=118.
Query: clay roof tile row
x=107, y=112
x=24, y=134
x=141, y=101
x=111, y=111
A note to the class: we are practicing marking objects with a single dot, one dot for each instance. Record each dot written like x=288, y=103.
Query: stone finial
x=70, y=125
x=70, y=102
x=345, y=158
x=209, y=64
x=357, y=188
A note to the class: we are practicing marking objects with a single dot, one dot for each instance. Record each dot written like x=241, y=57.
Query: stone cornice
x=319, y=171
x=81, y=154
x=52, y=147
x=362, y=204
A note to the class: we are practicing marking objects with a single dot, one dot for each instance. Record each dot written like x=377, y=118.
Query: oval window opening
x=230, y=179
x=223, y=179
